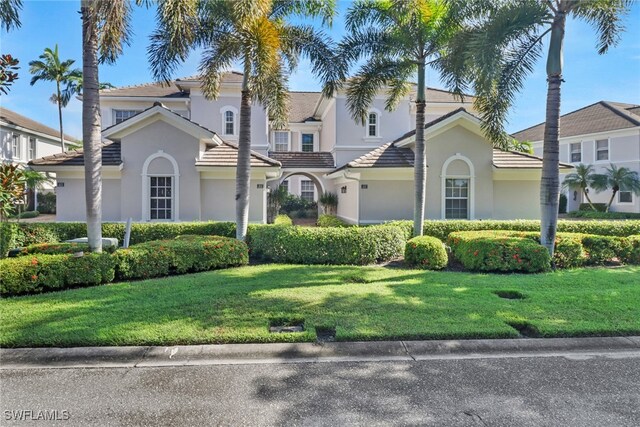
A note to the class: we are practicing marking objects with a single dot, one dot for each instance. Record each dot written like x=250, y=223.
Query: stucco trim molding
x=470, y=177
x=146, y=183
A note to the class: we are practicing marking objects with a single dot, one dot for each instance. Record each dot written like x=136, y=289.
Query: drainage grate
x=526, y=329
x=325, y=333
x=510, y=294
x=286, y=325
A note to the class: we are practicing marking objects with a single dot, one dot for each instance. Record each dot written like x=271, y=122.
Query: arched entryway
x=305, y=186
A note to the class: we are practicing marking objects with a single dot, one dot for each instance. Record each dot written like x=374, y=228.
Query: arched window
x=457, y=188
x=160, y=188
x=373, y=124
x=229, y=127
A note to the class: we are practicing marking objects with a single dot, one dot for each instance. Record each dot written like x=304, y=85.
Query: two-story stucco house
x=169, y=154
x=600, y=134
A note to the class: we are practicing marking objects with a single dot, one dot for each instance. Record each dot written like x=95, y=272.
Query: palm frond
x=10, y=14
x=112, y=18
x=215, y=60
x=606, y=16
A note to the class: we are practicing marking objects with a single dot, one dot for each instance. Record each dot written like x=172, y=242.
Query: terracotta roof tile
x=110, y=157
x=226, y=155
x=298, y=159
x=303, y=106
x=518, y=160
x=12, y=118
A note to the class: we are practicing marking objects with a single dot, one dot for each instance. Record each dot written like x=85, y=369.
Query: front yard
x=362, y=303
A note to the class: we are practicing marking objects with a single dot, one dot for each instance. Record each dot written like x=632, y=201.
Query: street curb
x=226, y=354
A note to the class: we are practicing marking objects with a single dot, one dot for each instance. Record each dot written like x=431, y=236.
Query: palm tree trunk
x=550, y=181
x=613, y=196
x=586, y=195
x=91, y=139
x=243, y=168
x=420, y=166
x=60, y=116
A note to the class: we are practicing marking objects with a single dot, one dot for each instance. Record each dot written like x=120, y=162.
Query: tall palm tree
x=398, y=39
x=50, y=68
x=499, y=49
x=10, y=14
x=581, y=179
x=619, y=179
x=258, y=35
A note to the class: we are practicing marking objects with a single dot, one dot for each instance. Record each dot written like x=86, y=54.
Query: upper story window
x=307, y=142
x=16, y=146
x=373, y=124
x=229, y=118
x=575, y=152
x=602, y=150
x=120, y=116
x=32, y=148
x=280, y=140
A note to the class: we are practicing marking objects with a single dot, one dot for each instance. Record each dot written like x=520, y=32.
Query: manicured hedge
x=59, y=248
x=633, y=254
x=282, y=219
x=185, y=254
x=303, y=245
x=40, y=273
x=441, y=229
x=481, y=251
x=426, y=252
x=326, y=220
x=603, y=215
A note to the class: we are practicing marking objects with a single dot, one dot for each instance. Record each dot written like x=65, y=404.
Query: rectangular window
x=307, y=142
x=120, y=116
x=285, y=185
x=281, y=141
x=456, y=198
x=16, y=146
x=229, y=123
x=307, y=190
x=625, y=197
x=602, y=149
x=372, y=125
x=161, y=197
x=32, y=148
x=576, y=152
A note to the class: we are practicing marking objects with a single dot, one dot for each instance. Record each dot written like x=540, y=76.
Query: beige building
x=170, y=155
x=600, y=134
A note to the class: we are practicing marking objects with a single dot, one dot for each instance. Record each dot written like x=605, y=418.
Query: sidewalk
x=148, y=356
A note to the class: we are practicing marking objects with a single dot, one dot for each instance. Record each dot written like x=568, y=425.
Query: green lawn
x=363, y=303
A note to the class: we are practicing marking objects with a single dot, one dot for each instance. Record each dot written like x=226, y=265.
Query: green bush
x=481, y=251
x=331, y=245
x=426, y=252
x=326, y=220
x=441, y=228
x=47, y=203
x=59, y=248
x=602, y=249
x=600, y=207
x=7, y=237
x=603, y=215
x=282, y=219
x=633, y=254
x=184, y=254
x=39, y=273
x=26, y=215
x=562, y=205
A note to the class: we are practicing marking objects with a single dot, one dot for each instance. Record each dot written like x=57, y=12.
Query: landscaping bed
x=360, y=303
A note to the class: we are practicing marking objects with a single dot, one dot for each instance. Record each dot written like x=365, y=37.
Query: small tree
x=583, y=178
x=619, y=179
x=329, y=202
x=275, y=200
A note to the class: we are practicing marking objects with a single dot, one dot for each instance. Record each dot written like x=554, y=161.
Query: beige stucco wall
x=459, y=140
x=70, y=198
x=385, y=200
x=348, y=202
x=138, y=146
x=516, y=199
x=218, y=200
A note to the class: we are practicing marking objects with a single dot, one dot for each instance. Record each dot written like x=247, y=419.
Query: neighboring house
x=170, y=154
x=598, y=134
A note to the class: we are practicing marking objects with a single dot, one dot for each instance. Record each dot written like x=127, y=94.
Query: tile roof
x=152, y=90
x=298, y=159
x=434, y=122
x=385, y=156
x=12, y=118
x=110, y=157
x=228, y=77
x=518, y=160
x=602, y=116
x=303, y=106
x=226, y=155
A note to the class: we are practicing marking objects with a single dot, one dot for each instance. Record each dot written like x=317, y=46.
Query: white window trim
x=367, y=137
x=35, y=148
x=273, y=139
x=595, y=151
x=618, y=202
x=470, y=177
x=146, y=183
x=234, y=110
x=113, y=112
x=315, y=139
x=581, y=152
x=313, y=184
x=19, y=146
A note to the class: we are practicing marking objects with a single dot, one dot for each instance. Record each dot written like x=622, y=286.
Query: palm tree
x=50, y=68
x=619, y=179
x=256, y=34
x=398, y=38
x=9, y=14
x=34, y=180
x=502, y=42
x=583, y=178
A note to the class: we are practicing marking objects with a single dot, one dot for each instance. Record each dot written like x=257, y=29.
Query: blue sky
x=589, y=77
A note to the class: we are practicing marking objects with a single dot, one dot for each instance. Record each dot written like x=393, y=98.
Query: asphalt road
x=540, y=391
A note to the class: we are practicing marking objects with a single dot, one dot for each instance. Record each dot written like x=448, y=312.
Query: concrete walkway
x=372, y=351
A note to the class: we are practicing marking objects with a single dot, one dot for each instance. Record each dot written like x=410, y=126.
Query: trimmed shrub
x=282, y=219
x=7, y=237
x=426, y=252
x=184, y=254
x=602, y=249
x=39, y=273
x=26, y=215
x=331, y=245
x=603, y=215
x=480, y=251
x=633, y=254
x=60, y=248
x=326, y=220
x=600, y=207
